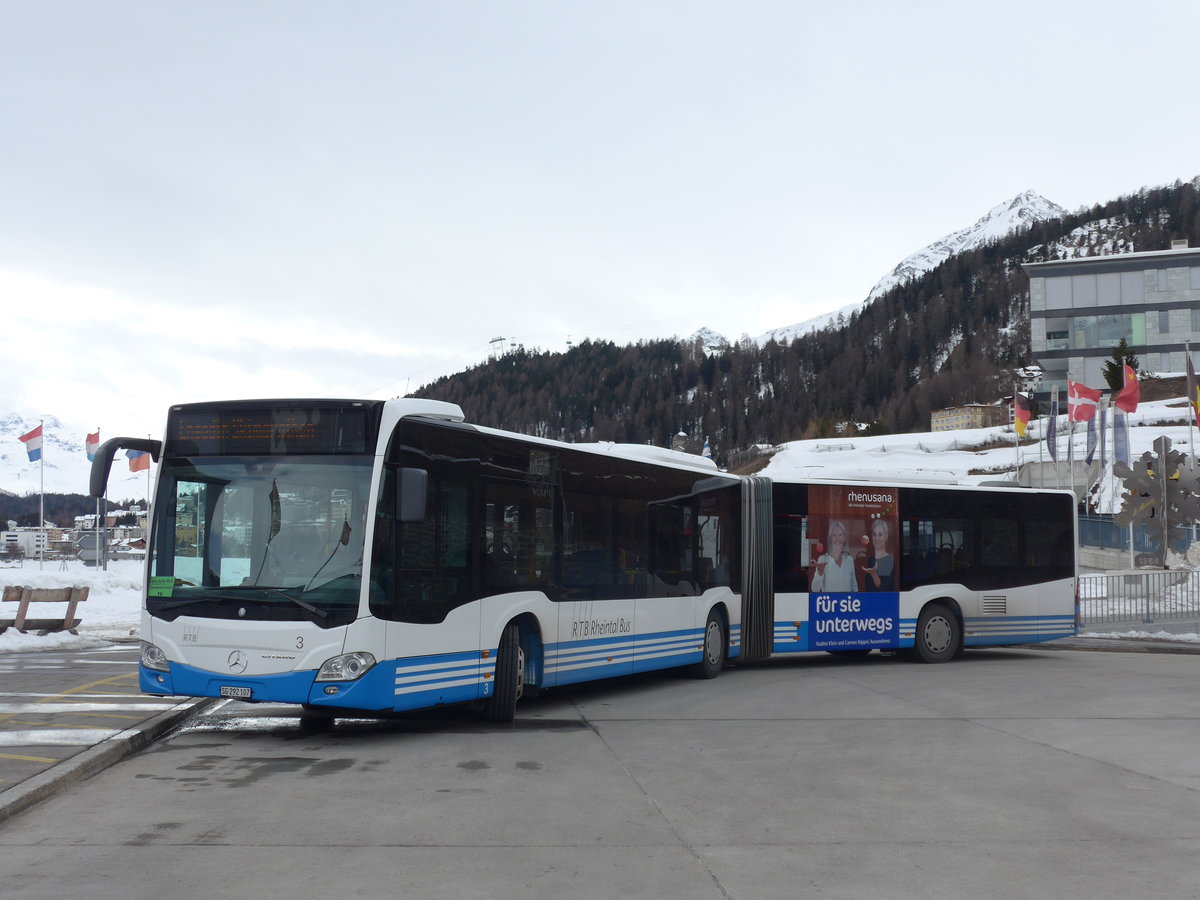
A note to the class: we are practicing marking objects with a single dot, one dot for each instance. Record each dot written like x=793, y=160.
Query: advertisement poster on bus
x=854, y=570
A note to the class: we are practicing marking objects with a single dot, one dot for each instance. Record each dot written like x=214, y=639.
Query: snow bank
x=112, y=611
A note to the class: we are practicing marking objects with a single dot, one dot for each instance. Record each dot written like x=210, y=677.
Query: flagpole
x=1071, y=451
x=1191, y=406
x=99, y=538
x=1041, y=461
x=1128, y=457
x=1112, y=479
x=1052, y=434
x=42, y=497
x=1016, y=436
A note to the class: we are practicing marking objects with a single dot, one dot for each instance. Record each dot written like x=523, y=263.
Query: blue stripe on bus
x=593, y=658
x=423, y=681
x=367, y=693
x=573, y=676
x=791, y=637
x=440, y=697
x=995, y=630
x=287, y=687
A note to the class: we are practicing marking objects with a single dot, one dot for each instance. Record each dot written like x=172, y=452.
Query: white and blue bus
x=923, y=568
x=383, y=556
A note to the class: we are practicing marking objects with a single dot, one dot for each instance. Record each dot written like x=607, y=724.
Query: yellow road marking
x=105, y=715
x=51, y=725
x=126, y=677
x=37, y=759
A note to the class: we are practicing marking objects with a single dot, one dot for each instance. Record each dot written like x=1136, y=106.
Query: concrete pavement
x=1010, y=773
x=65, y=715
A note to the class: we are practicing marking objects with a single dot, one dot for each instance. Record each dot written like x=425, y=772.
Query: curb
x=1119, y=645
x=88, y=762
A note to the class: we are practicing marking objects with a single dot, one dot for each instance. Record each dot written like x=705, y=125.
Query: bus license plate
x=241, y=693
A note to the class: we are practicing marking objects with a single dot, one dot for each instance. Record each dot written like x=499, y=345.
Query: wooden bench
x=23, y=596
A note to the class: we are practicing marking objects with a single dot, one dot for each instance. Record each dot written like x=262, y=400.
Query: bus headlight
x=346, y=667
x=153, y=657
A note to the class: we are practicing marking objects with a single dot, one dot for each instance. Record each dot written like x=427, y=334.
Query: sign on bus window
x=853, y=567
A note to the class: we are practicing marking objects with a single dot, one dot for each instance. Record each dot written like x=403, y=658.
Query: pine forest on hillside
x=951, y=336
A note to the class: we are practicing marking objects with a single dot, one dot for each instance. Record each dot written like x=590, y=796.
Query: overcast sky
x=233, y=199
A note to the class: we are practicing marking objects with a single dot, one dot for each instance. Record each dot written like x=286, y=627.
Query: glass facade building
x=1080, y=309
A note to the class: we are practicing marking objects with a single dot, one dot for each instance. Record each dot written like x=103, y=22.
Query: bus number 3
x=299, y=643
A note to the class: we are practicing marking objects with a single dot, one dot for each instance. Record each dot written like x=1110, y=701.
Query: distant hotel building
x=970, y=415
x=1081, y=308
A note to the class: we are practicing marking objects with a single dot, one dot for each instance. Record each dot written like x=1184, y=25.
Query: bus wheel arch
x=714, y=647
x=939, y=634
x=518, y=668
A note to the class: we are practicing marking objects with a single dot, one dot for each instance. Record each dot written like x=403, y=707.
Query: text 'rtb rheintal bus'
x=385, y=556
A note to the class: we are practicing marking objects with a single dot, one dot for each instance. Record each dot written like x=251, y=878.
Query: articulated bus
x=382, y=556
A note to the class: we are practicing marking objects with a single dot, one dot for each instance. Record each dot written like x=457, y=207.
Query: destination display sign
x=266, y=430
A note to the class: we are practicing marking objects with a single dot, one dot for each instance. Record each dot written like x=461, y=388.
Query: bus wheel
x=938, y=634
x=712, y=659
x=510, y=676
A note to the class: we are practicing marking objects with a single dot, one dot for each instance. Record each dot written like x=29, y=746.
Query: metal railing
x=1139, y=596
x=1099, y=530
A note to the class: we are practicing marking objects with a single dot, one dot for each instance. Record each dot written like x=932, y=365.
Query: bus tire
x=714, y=650
x=507, y=683
x=938, y=634
x=314, y=719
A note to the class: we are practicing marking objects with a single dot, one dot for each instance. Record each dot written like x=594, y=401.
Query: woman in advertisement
x=880, y=570
x=835, y=569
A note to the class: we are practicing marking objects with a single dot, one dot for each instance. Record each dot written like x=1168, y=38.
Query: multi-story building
x=28, y=542
x=1081, y=308
x=970, y=415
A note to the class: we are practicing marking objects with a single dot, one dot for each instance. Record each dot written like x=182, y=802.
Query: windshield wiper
x=181, y=604
x=303, y=604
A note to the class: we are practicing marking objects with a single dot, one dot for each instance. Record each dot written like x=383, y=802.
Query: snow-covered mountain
x=710, y=341
x=64, y=458
x=1022, y=211
x=825, y=320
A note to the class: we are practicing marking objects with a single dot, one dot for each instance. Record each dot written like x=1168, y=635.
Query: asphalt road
x=1009, y=773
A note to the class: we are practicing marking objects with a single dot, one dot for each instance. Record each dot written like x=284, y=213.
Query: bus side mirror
x=102, y=463
x=410, y=495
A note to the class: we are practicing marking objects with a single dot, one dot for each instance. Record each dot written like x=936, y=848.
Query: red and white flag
x=1081, y=401
x=92, y=444
x=33, y=443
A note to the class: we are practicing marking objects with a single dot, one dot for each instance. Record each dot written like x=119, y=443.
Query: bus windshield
x=259, y=537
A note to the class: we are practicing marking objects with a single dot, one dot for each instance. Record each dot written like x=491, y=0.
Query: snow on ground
x=1144, y=635
x=974, y=455
x=112, y=611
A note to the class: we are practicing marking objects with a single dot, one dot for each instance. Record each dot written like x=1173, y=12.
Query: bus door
x=598, y=588
x=667, y=608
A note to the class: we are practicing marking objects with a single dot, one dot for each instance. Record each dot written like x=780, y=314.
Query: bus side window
x=791, y=554
x=425, y=573
x=518, y=537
